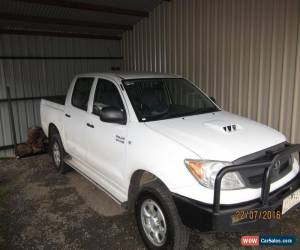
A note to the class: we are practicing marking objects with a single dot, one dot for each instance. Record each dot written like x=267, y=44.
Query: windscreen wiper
x=201, y=111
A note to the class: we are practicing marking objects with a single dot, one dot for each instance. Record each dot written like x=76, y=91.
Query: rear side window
x=81, y=92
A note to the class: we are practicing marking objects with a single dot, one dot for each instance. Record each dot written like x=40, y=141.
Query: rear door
x=76, y=116
x=107, y=141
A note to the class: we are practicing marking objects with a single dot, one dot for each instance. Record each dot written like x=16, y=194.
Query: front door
x=107, y=141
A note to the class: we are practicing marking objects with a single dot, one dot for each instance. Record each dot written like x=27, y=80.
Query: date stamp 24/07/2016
x=240, y=215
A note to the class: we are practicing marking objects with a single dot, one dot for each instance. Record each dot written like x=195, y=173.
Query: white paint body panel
x=204, y=135
x=158, y=147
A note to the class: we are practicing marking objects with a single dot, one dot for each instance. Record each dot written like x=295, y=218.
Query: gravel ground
x=40, y=209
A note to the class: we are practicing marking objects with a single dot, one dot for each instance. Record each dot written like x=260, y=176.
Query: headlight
x=205, y=172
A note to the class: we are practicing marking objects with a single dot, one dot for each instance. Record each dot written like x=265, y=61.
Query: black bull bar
x=267, y=165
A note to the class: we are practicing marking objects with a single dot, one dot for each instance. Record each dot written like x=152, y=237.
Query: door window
x=106, y=95
x=81, y=92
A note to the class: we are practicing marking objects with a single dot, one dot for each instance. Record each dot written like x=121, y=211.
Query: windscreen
x=156, y=99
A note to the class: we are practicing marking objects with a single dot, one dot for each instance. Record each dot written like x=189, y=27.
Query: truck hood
x=218, y=136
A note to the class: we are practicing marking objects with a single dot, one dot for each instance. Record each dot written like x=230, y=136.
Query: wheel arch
x=52, y=129
x=139, y=178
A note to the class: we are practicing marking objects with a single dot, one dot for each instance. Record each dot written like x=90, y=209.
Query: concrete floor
x=40, y=209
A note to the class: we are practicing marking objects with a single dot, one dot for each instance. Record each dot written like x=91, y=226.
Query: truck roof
x=129, y=75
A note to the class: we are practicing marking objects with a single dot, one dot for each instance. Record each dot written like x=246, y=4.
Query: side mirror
x=213, y=99
x=112, y=115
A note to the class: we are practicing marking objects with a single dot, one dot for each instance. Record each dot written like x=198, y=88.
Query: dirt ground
x=40, y=209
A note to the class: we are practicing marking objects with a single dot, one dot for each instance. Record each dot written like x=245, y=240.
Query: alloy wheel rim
x=56, y=154
x=153, y=222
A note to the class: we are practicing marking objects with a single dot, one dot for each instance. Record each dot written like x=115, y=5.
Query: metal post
x=266, y=185
x=11, y=117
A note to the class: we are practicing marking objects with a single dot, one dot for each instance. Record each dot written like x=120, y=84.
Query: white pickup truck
x=160, y=147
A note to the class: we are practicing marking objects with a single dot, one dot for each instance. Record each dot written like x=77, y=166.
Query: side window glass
x=106, y=95
x=81, y=92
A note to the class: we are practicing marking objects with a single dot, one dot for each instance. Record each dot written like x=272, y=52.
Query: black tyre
x=57, y=153
x=157, y=218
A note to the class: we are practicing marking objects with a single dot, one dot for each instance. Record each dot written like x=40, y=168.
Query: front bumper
x=228, y=218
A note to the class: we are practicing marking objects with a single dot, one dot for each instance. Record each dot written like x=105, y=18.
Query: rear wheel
x=58, y=153
x=158, y=221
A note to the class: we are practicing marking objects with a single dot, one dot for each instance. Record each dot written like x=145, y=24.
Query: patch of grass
x=4, y=194
x=4, y=215
x=6, y=158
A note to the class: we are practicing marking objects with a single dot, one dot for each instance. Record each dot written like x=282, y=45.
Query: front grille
x=254, y=177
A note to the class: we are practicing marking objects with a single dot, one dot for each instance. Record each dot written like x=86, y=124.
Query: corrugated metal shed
x=246, y=53
x=54, y=11
x=43, y=62
x=44, y=77
x=43, y=44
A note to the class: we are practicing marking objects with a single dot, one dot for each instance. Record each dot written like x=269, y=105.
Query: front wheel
x=158, y=221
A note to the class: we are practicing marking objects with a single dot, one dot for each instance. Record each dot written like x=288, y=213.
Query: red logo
x=249, y=240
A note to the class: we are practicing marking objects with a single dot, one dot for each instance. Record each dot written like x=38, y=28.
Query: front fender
x=158, y=155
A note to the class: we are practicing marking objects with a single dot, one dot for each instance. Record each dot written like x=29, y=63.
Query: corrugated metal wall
x=246, y=53
x=47, y=77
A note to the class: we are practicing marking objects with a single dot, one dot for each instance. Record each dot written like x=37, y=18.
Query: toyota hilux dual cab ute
x=162, y=148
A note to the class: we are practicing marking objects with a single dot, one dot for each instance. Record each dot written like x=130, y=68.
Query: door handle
x=67, y=115
x=90, y=125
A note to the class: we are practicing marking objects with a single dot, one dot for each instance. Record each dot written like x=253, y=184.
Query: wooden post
x=11, y=117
